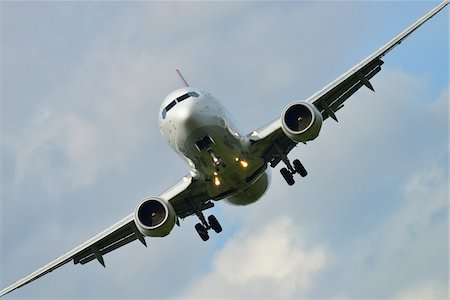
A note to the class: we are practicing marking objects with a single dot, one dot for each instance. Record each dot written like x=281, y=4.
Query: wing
x=270, y=141
x=186, y=197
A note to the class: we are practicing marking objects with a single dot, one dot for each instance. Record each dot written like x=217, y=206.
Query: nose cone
x=191, y=116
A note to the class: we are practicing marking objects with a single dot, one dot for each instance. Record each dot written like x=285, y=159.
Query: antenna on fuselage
x=182, y=78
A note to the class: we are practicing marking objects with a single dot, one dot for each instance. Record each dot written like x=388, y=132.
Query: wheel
x=215, y=225
x=202, y=231
x=299, y=168
x=287, y=176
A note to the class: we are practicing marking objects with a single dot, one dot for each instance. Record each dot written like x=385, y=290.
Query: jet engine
x=154, y=217
x=301, y=121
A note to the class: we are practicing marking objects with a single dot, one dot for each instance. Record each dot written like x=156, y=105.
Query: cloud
x=85, y=129
x=272, y=261
x=427, y=291
x=56, y=150
x=377, y=224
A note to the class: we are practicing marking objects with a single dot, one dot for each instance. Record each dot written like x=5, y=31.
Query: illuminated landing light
x=244, y=163
x=216, y=181
x=215, y=173
x=215, y=160
x=237, y=159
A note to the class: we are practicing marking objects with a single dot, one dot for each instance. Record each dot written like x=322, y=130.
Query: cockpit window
x=167, y=108
x=171, y=104
x=184, y=97
x=179, y=99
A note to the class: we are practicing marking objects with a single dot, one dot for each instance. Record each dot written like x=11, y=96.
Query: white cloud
x=429, y=290
x=58, y=151
x=273, y=261
x=347, y=225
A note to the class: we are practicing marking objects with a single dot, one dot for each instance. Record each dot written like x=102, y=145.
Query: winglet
x=182, y=78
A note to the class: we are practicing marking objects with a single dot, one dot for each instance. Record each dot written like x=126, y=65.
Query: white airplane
x=224, y=164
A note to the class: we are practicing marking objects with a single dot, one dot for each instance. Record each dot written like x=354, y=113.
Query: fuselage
x=197, y=126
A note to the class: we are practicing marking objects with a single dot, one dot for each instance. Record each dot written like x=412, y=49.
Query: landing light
x=216, y=181
x=244, y=163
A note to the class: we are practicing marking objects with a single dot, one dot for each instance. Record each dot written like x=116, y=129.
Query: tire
x=202, y=231
x=215, y=225
x=287, y=176
x=299, y=168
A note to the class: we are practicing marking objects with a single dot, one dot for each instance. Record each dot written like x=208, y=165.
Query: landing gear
x=202, y=228
x=299, y=168
x=288, y=176
x=202, y=231
x=204, y=225
x=214, y=224
x=290, y=169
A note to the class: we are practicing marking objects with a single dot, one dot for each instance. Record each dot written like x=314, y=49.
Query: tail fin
x=182, y=78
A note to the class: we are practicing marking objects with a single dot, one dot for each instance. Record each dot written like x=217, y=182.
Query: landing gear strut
x=290, y=169
x=205, y=225
x=202, y=228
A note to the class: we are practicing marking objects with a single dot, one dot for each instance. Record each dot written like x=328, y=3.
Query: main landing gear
x=203, y=227
x=291, y=169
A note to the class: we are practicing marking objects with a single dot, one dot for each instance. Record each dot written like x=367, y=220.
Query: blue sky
x=81, y=89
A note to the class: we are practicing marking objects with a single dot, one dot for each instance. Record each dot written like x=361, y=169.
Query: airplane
x=224, y=164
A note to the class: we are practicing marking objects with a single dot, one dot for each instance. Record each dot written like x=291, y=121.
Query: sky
x=81, y=86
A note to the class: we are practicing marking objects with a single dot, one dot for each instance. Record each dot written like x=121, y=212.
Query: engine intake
x=154, y=217
x=301, y=121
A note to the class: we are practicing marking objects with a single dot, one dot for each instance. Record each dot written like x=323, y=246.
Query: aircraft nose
x=188, y=117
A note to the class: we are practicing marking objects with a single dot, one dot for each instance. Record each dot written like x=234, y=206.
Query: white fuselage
x=196, y=126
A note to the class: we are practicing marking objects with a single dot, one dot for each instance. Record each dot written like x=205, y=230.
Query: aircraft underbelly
x=225, y=163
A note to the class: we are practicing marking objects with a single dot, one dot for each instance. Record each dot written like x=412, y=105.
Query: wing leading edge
x=331, y=98
x=186, y=196
x=96, y=246
x=270, y=141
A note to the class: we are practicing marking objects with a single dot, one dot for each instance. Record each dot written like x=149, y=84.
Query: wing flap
x=330, y=101
x=121, y=237
x=111, y=235
x=90, y=255
x=348, y=83
x=270, y=140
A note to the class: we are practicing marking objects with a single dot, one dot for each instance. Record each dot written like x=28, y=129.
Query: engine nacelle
x=154, y=217
x=301, y=121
